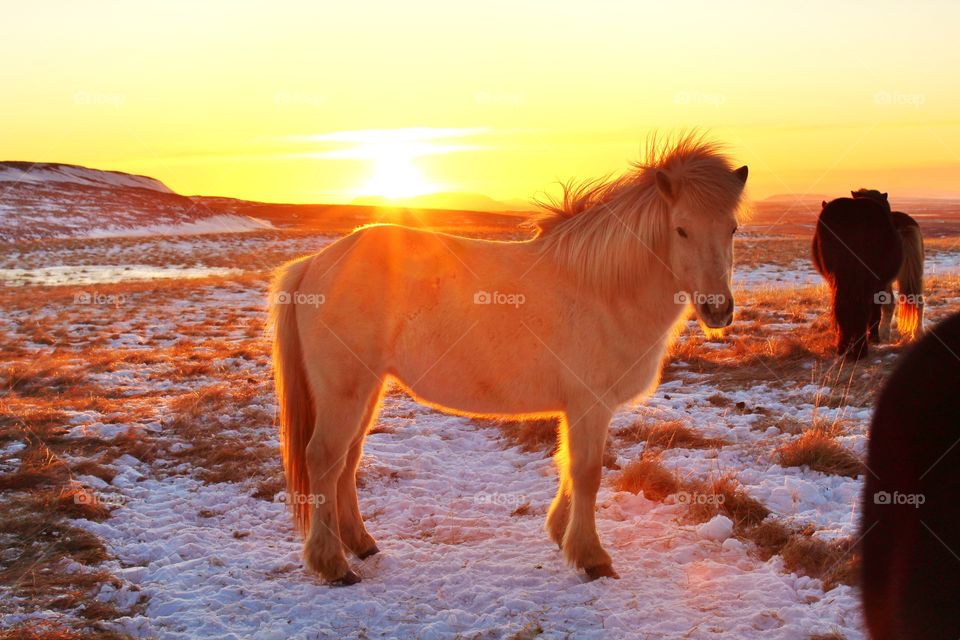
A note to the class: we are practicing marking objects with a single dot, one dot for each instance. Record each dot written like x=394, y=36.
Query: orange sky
x=322, y=102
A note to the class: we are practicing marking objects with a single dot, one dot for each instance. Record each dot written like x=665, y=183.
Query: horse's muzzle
x=716, y=316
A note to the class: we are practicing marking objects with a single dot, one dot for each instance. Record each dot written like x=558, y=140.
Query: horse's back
x=902, y=220
x=911, y=511
x=855, y=238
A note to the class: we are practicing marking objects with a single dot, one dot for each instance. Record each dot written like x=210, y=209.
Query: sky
x=303, y=101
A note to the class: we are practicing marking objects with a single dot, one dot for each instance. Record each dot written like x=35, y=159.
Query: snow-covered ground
x=454, y=562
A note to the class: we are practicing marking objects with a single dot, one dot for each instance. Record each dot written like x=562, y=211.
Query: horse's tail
x=910, y=281
x=294, y=398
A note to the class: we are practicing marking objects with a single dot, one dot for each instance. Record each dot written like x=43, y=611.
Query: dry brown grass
x=531, y=435
x=39, y=544
x=728, y=498
x=818, y=450
x=42, y=375
x=50, y=630
x=197, y=421
x=768, y=537
x=668, y=434
x=832, y=562
x=647, y=474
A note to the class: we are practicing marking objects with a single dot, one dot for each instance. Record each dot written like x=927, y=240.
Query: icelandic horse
x=571, y=324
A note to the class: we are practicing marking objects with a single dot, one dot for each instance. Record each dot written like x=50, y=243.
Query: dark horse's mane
x=911, y=512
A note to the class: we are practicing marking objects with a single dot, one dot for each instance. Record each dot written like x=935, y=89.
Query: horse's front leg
x=585, y=438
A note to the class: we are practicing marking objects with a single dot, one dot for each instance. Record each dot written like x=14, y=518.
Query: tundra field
x=142, y=491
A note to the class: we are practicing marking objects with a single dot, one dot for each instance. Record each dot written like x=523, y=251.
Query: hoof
x=602, y=571
x=363, y=555
x=348, y=579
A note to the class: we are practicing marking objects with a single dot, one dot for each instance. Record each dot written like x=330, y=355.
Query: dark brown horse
x=857, y=250
x=910, y=277
x=911, y=502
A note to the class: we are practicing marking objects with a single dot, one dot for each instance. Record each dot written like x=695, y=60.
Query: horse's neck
x=654, y=306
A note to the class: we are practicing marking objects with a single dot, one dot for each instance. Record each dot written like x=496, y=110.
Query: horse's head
x=874, y=195
x=702, y=223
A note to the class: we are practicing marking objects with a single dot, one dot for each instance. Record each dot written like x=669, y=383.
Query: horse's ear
x=853, y=194
x=664, y=186
x=885, y=196
x=741, y=174
x=823, y=204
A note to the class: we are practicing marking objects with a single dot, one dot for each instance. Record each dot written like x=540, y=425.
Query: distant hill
x=50, y=200
x=449, y=200
x=54, y=172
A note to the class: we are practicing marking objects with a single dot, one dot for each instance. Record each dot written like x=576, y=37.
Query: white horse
x=572, y=324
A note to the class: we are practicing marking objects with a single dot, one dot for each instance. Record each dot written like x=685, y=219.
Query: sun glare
x=395, y=175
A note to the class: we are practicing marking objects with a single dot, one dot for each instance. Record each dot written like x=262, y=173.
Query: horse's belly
x=481, y=395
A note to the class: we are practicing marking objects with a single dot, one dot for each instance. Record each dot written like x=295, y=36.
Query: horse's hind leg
x=886, y=313
x=340, y=407
x=353, y=533
x=586, y=436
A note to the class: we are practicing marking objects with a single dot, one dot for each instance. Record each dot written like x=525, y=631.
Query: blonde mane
x=610, y=232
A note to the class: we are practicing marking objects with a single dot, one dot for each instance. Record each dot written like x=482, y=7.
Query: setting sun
x=395, y=175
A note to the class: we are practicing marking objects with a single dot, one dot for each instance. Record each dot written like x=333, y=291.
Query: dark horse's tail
x=910, y=283
x=910, y=533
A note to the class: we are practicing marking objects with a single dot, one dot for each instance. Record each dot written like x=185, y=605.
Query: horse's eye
x=682, y=232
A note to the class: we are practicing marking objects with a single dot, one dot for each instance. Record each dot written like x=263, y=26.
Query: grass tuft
x=668, y=434
x=818, y=450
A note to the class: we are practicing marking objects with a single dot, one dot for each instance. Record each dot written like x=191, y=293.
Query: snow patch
x=105, y=274
x=719, y=528
x=224, y=223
